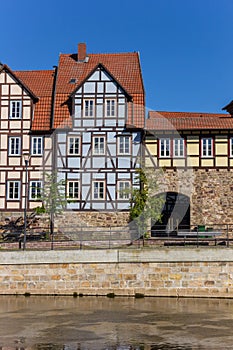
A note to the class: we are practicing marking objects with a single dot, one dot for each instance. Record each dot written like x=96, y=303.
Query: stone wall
x=210, y=192
x=92, y=218
x=176, y=272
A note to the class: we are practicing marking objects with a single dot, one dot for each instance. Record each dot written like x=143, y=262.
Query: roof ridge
x=184, y=112
x=33, y=70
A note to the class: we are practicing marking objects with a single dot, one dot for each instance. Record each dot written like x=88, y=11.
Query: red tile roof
x=41, y=83
x=188, y=121
x=124, y=67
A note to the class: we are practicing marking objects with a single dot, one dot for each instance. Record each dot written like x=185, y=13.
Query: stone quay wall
x=174, y=272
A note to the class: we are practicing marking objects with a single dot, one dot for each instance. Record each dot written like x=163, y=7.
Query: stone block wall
x=210, y=192
x=156, y=272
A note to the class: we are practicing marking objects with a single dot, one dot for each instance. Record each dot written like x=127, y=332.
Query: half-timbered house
x=194, y=151
x=84, y=120
x=25, y=101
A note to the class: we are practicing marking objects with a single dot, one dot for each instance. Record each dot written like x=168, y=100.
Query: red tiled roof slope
x=41, y=83
x=124, y=67
x=188, y=121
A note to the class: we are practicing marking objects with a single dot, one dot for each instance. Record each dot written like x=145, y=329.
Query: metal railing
x=198, y=235
x=85, y=237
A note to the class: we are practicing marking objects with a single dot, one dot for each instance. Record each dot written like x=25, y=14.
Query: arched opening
x=175, y=213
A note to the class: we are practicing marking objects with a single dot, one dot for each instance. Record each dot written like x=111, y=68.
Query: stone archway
x=175, y=212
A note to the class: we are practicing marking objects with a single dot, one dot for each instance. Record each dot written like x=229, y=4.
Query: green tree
x=146, y=206
x=53, y=198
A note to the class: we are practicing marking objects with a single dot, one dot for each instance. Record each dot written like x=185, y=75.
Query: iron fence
x=83, y=237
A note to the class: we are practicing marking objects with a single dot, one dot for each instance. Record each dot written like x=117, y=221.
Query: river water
x=119, y=323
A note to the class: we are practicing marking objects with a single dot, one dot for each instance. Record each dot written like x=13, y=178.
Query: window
x=98, y=190
x=124, y=145
x=73, y=145
x=73, y=189
x=231, y=147
x=35, y=189
x=13, y=190
x=165, y=148
x=178, y=147
x=110, y=108
x=207, y=147
x=14, y=146
x=88, y=108
x=123, y=189
x=99, y=145
x=37, y=146
x=15, y=109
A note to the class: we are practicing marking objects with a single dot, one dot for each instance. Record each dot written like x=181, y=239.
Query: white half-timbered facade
x=98, y=155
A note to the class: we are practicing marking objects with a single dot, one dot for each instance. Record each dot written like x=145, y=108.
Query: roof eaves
x=34, y=97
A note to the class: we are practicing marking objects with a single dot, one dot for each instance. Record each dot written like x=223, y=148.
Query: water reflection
x=100, y=323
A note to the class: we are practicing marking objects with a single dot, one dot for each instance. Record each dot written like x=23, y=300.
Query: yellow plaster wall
x=207, y=162
x=221, y=161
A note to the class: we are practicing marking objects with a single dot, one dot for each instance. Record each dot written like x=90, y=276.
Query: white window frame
x=14, y=145
x=110, y=106
x=122, y=186
x=72, y=149
x=231, y=147
x=15, y=109
x=124, y=144
x=71, y=187
x=35, y=187
x=98, y=190
x=207, y=148
x=37, y=145
x=88, y=107
x=178, y=148
x=165, y=148
x=99, y=145
x=14, y=187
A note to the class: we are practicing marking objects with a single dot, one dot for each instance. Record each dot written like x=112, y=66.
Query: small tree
x=53, y=197
x=145, y=205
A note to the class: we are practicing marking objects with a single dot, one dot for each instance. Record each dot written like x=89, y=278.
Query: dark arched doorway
x=175, y=212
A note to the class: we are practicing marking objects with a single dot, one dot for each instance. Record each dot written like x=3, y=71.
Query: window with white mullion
x=207, y=147
x=37, y=146
x=99, y=145
x=73, y=189
x=124, y=145
x=98, y=190
x=16, y=109
x=35, y=190
x=88, y=108
x=165, y=147
x=14, y=146
x=231, y=147
x=73, y=145
x=124, y=189
x=13, y=190
x=178, y=147
x=110, y=107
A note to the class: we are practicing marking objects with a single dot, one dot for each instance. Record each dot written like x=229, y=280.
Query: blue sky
x=185, y=46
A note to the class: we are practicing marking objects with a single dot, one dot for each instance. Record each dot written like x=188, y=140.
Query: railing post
x=197, y=236
x=227, y=236
x=110, y=237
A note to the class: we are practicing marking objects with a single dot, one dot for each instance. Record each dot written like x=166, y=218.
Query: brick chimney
x=82, y=52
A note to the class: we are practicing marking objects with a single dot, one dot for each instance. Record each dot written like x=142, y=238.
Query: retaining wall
x=175, y=272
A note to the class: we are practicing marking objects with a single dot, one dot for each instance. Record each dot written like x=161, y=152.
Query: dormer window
x=73, y=81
